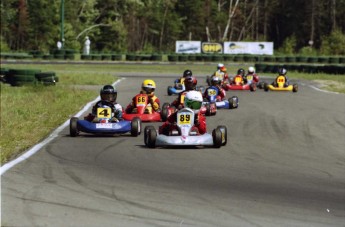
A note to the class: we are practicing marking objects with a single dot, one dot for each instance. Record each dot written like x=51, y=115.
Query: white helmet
x=193, y=100
x=251, y=69
x=220, y=65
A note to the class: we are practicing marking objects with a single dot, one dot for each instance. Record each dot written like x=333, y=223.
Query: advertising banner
x=191, y=47
x=248, y=48
x=208, y=48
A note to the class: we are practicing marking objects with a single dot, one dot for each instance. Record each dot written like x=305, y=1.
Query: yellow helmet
x=148, y=86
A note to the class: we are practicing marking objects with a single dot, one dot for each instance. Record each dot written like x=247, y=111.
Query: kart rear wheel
x=217, y=138
x=151, y=138
x=261, y=85
x=146, y=131
x=224, y=131
x=168, y=90
x=252, y=87
x=208, y=109
x=233, y=102
x=295, y=88
x=73, y=127
x=135, y=126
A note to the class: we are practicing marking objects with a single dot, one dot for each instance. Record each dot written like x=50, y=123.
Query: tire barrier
x=22, y=77
x=305, y=68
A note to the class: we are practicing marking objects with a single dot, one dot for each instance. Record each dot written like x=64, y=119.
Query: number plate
x=104, y=112
x=184, y=118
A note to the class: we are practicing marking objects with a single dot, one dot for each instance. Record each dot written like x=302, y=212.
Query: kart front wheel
x=266, y=86
x=73, y=127
x=169, y=90
x=217, y=138
x=233, y=102
x=224, y=131
x=135, y=126
x=146, y=131
x=151, y=138
x=295, y=88
x=252, y=87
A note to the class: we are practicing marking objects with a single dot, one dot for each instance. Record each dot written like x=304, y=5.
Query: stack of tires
x=20, y=77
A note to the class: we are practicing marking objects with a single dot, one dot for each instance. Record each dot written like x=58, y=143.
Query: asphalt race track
x=284, y=165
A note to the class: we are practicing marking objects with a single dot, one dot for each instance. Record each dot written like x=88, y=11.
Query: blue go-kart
x=210, y=99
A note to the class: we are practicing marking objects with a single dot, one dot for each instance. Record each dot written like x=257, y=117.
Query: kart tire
x=261, y=85
x=135, y=126
x=151, y=138
x=208, y=109
x=164, y=114
x=146, y=131
x=295, y=88
x=252, y=87
x=217, y=138
x=233, y=102
x=266, y=87
x=73, y=127
x=224, y=131
x=168, y=90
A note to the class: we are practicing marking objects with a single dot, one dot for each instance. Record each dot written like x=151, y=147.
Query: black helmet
x=187, y=73
x=241, y=72
x=108, y=93
x=282, y=71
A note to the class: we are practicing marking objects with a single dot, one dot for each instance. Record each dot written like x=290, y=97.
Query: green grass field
x=31, y=113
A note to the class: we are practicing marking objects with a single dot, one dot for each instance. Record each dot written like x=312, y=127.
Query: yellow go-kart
x=279, y=85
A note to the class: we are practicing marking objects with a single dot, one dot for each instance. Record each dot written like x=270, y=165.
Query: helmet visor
x=109, y=97
x=148, y=90
x=195, y=105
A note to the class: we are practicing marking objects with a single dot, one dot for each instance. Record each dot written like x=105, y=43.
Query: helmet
x=282, y=71
x=215, y=80
x=190, y=83
x=220, y=65
x=187, y=73
x=193, y=100
x=108, y=93
x=148, y=87
x=223, y=69
x=251, y=70
x=240, y=72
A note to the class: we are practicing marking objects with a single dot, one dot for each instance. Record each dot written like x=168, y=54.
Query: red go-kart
x=143, y=110
x=238, y=84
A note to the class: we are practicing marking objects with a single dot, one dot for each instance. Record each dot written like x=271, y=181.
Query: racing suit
x=153, y=102
x=221, y=93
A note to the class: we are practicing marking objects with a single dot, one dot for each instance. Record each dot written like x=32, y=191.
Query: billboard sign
x=256, y=48
x=190, y=47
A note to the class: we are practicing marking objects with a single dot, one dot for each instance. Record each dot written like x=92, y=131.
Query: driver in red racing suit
x=192, y=100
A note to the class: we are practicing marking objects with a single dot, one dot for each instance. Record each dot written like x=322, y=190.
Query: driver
x=186, y=73
x=251, y=72
x=147, y=87
x=108, y=96
x=192, y=100
x=221, y=73
x=281, y=72
x=190, y=85
x=216, y=82
x=240, y=74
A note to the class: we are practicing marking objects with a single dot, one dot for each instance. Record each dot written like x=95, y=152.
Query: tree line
x=295, y=26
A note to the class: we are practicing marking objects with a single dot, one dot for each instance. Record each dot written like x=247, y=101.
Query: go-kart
x=143, y=110
x=279, y=85
x=102, y=123
x=238, y=84
x=184, y=134
x=211, y=100
x=177, y=88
